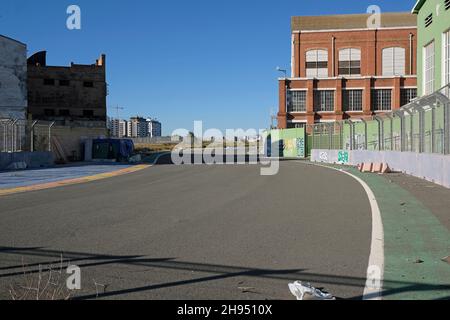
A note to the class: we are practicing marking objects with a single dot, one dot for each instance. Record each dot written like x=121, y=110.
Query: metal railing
x=422, y=126
x=24, y=135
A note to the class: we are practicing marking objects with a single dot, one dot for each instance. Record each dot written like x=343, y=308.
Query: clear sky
x=178, y=61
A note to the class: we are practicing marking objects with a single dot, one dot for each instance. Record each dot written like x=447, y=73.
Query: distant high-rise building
x=123, y=128
x=113, y=126
x=154, y=128
x=137, y=127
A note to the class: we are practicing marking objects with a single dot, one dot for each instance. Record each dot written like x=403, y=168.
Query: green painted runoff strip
x=415, y=243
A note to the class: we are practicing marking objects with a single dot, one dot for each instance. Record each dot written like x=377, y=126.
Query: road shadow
x=217, y=272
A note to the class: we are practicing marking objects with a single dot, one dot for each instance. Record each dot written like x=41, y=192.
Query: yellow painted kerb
x=51, y=185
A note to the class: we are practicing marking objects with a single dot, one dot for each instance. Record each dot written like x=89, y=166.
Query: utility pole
x=273, y=119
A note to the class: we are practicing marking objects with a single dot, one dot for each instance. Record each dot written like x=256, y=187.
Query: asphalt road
x=192, y=232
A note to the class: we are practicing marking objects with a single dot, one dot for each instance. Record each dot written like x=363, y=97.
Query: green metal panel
x=293, y=142
x=434, y=32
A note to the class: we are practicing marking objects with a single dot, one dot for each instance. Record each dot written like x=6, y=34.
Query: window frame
x=446, y=58
x=406, y=98
x=352, y=64
x=429, y=68
x=320, y=102
x=377, y=104
x=394, y=70
x=318, y=64
x=348, y=100
x=295, y=106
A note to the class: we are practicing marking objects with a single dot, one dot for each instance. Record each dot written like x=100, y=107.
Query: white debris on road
x=304, y=291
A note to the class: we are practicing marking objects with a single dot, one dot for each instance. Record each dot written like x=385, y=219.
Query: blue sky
x=178, y=61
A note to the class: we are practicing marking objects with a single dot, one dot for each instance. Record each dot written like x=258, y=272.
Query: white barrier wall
x=432, y=167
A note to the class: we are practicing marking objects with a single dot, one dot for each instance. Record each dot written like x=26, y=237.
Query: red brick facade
x=370, y=43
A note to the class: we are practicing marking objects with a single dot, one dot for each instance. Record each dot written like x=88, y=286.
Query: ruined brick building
x=69, y=95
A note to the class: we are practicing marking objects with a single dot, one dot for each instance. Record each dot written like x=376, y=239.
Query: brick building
x=341, y=69
x=67, y=94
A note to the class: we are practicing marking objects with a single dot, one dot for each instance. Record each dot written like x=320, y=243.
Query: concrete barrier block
x=367, y=167
x=385, y=169
x=377, y=167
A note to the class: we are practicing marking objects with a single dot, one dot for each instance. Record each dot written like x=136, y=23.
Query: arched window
x=317, y=63
x=394, y=61
x=350, y=62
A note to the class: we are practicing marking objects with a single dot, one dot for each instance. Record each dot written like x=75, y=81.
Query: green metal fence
x=422, y=126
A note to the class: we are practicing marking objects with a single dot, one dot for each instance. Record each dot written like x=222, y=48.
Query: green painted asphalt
x=415, y=243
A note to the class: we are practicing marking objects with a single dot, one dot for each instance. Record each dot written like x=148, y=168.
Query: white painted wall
x=431, y=167
x=13, y=79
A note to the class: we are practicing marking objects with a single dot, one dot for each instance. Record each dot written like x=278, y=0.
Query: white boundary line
x=375, y=272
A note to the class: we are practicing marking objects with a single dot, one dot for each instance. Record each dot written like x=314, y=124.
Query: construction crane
x=117, y=108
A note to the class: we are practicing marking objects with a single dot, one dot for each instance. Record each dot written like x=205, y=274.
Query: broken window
x=88, y=113
x=49, y=82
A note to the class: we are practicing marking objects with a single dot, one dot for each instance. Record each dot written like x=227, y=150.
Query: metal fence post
x=352, y=134
x=421, y=131
x=14, y=136
x=446, y=128
x=433, y=128
x=411, y=146
x=380, y=133
x=32, y=136
x=330, y=136
x=50, y=136
x=391, y=132
x=366, y=145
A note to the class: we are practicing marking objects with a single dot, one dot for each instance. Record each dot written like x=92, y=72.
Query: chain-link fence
x=422, y=126
x=24, y=135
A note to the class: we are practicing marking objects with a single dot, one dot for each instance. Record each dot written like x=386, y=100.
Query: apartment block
x=118, y=128
x=343, y=68
x=137, y=127
x=154, y=128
